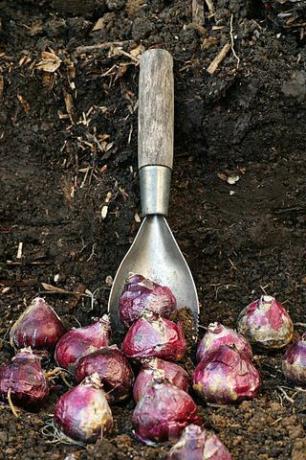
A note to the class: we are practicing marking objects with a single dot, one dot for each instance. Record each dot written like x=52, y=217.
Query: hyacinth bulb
x=24, y=380
x=141, y=294
x=195, y=444
x=38, y=327
x=83, y=413
x=113, y=369
x=266, y=323
x=153, y=336
x=226, y=376
x=218, y=335
x=170, y=372
x=81, y=341
x=162, y=413
x=294, y=362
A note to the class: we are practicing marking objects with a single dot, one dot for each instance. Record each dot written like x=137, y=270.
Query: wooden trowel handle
x=156, y=109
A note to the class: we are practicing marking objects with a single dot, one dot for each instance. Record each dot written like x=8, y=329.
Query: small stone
x=115, y=5
x=296, y=86
x=141, y=28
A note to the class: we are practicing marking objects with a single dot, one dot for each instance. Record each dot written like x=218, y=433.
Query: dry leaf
x=24, y=60
x=24, y=103
x=209, y=42
x=49, y=63
x=99, y=24
x=36, y=28
x=137, y=52
x=68, y=188
x=222, y=176
x=48, y=80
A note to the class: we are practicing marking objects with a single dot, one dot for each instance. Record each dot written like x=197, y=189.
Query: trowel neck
x=155, y=183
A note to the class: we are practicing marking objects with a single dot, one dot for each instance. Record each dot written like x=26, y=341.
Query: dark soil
x=60, y=159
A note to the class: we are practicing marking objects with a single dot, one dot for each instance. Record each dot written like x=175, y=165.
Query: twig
x=276, y=421
x=213, y=66
x=233, y=42
x=99, y=46
x=92, y=298
x=124, y=53
x=286, y=395
x=92, y=252
x=263, y=288
x=198, y=12
x=12, y=407
x=210, y=7
x=300, y=324
x=19, y=251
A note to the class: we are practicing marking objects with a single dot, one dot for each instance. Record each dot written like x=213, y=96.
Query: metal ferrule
x=154, y=189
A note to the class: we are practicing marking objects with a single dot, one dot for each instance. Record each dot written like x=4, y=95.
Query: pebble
x=115, y=5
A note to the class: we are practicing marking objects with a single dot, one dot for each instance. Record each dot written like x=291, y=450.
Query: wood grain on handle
x=156, y=109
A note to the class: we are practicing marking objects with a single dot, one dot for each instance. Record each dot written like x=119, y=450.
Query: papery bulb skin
x=162, y=413
x=294, y=362
x=266, y=323
x=226, y=376
x=195, y=444
x=113, y=369
x=83, y=413
x=81, y=341
x=38, y=327
x=171, y=372
x=140, y=294
x=153, y=336
x=218, y=335
x=24, y=379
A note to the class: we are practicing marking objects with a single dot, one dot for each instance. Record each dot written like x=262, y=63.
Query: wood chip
x=198, y=12
x=213, y=66
x=50, y=62
x=108, y=197
x=210, y=7
x=137, y=218
x=104, y=212
x=24, y=103
x=19, y=251
x=70, y=107
x=100, y=24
